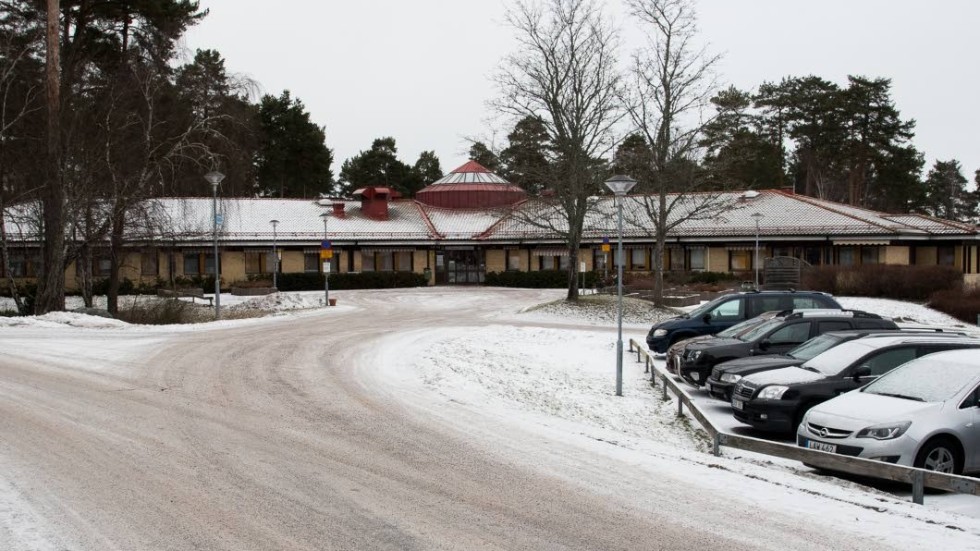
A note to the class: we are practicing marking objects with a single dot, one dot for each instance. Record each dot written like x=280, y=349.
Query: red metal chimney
x=338, y=210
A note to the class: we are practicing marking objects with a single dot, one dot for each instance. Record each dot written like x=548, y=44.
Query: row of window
x=637, y=259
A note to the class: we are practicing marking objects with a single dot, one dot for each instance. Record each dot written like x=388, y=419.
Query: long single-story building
x=472, y=222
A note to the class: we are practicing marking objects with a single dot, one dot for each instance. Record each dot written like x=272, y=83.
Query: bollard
x=664, y=384
x=646, y=366
x=680, y=407
x=637, y=354
x=716, y=448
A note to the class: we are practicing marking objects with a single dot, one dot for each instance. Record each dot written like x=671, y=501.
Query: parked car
x=725, y=374
x=727, y=310
x=782, y=333
x=924, y=414
x=776, y=400
x=677, y=348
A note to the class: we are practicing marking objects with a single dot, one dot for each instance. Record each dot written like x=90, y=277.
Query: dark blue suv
x=727, y=310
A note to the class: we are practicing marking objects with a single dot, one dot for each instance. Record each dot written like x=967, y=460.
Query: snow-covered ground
x=546, y=377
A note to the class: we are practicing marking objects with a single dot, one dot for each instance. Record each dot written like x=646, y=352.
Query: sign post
x=326, y=253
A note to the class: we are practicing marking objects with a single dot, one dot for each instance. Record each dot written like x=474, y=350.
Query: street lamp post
x=214, y=178
x=275, y=256
x=620, y=185
x=326, y=265
x=758, y=216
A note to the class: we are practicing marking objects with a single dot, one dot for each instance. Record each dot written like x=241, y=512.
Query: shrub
x=916, y=283
x=541, y=279
x=962, y=304
x=344, y=281
x=160, y=312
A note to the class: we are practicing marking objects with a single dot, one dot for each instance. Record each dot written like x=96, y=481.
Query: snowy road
x=315, y=432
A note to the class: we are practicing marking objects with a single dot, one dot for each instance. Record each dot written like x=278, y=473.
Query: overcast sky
x=419, y=70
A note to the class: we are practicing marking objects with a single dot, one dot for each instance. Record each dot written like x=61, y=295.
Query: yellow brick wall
x=292, y=262
x=717, y=259
x=232, y=267
x=958, y=256
x=895, y=254
x=496, y=261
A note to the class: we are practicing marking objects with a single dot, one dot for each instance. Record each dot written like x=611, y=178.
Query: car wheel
x=941, y=455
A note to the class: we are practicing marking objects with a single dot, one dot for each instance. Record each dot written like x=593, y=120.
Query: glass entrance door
x=460, y=267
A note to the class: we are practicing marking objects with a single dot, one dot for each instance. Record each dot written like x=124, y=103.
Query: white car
x=925, y=413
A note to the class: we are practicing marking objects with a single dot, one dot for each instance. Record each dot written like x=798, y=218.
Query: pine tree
x=293, y=159
x=946, y=193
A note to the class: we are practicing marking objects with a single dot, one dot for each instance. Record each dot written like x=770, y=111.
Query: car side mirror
x=706, y=318
x=862, y=371
x=765, y=344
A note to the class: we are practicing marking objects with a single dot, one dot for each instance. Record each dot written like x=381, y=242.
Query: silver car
x=925, y=413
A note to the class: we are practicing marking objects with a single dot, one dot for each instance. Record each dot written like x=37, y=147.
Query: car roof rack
x=828, y=312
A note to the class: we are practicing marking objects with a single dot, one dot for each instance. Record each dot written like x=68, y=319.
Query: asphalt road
x=275, y=435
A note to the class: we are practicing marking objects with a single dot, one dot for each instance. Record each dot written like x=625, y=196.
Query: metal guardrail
x=918, y=478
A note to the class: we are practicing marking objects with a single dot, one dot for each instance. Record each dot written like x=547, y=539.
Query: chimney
x=374, y=201
x=338, y=210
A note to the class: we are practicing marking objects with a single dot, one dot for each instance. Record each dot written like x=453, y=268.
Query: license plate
x=814, y=445
x=737, y=404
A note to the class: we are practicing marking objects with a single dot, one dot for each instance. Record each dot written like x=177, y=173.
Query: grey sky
x=419, y=70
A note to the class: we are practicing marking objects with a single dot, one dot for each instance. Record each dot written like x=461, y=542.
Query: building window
x=20, y=266
x=149, y=263
x=101, y=266
x=256, y=262
x=846, y=256
x=548, y=262
x=192, y=264
x=513, y=260
x=404, y=261
x=600, y=260
x=638, y=259
x=739, y=261
x=696, y=260
x=311, y=261
x=946, y=255
x=870, y=255
x=199, y=264
x=385, y=262
x=563, y=262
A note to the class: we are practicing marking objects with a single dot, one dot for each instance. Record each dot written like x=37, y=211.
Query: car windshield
x=813, y=347
x=925, y=380
x=704, y=308
x=760, y=330
x=834, y=360
x=744, y=326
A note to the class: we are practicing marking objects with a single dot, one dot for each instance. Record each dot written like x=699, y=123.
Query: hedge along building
x=472, y=222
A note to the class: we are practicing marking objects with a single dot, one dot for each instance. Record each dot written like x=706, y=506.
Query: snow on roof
x=783, y=214
x=471, y=173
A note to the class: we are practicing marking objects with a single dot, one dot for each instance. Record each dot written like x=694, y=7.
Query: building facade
x=472, y=222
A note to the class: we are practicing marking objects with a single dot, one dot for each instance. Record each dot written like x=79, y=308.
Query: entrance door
x=456, y=267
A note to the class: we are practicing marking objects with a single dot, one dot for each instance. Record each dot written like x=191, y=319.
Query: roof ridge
x=819, y=204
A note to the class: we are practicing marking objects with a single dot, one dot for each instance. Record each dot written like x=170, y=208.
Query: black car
x=727, y=310
x=775, y=401
x=778, y=335
x=725, y=374
x=677, y=349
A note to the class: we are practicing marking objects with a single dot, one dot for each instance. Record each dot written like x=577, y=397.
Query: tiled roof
x=783, y=215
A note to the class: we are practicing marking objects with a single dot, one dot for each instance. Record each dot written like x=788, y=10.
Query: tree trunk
x=51, y=283
x=116, y=255
x=572, y=273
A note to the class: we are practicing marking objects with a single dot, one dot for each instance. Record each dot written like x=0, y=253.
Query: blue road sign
x=324, y=244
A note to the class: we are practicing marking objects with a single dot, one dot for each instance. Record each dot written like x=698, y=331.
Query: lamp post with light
x=620, y=185
x=758, y=216
x=214, y=178
x=275, y=256
x=326, y=264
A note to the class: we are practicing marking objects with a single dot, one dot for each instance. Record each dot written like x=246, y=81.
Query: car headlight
x=694, y=355
x=773, y=392
x=659, y=332
x=885, y=432
x=730, y=378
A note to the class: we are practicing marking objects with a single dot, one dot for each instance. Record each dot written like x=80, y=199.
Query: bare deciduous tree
x=671, y=82
x=564, y=73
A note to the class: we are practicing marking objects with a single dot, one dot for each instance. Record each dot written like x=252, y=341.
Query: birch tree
x=564, y=74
